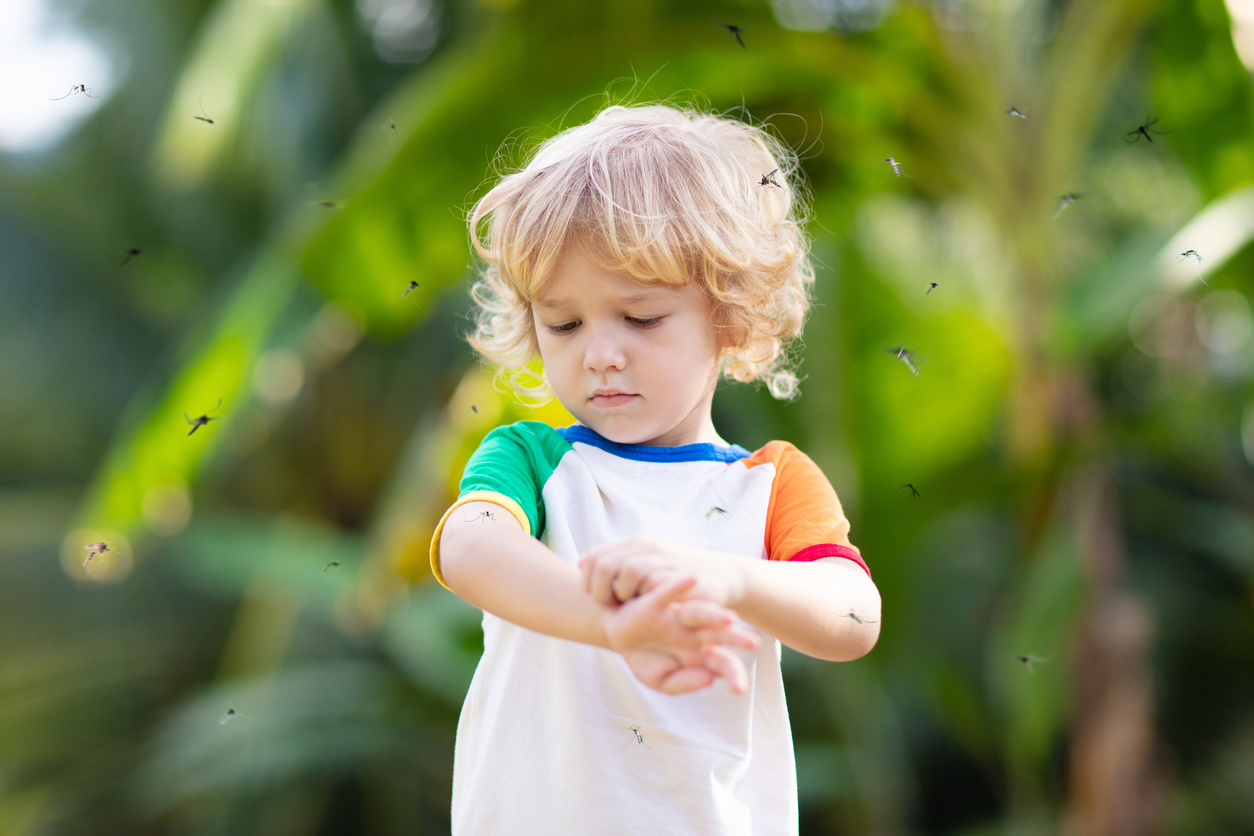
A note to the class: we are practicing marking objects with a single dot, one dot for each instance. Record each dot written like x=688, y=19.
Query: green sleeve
x=516, y=461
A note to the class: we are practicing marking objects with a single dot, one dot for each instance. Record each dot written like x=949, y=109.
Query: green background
x=1080, y=435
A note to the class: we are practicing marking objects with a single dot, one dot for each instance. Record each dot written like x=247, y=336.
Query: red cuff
x=831, y=550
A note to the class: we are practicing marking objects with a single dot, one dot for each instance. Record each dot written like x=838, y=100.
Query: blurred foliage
x=1080, y=434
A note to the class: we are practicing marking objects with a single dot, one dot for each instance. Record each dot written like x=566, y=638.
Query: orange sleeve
x=804, y=520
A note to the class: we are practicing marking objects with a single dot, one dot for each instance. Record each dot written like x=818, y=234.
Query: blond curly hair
x=662, y=195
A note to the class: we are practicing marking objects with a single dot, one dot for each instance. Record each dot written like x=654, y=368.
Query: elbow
x=864, y=640
x=843, y=645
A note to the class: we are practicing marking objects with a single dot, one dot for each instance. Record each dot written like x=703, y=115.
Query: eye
x=564, y=328
x=644, y=323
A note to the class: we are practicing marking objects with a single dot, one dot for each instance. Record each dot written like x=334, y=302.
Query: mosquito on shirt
x=639, y=738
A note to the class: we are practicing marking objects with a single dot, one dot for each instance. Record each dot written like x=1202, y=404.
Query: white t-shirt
x=558, y=737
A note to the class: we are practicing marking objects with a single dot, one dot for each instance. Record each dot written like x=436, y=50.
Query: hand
x=675, y=646
x=617, y=572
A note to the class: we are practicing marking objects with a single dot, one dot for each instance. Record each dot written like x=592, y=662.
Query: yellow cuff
x=474, y=496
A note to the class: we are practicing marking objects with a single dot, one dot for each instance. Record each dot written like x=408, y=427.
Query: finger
x=712, y=624
x=631, y=576
x=729, y=666
x=671, y=591
x=732, y=636
x=686, y=679
x=654, y=579
x=697, y=613
x=603, y=575
x=587, y=565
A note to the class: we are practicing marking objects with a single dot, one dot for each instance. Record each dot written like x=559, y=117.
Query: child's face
x=599, y=330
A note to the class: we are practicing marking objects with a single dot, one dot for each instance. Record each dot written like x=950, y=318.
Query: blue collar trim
x=703, y=452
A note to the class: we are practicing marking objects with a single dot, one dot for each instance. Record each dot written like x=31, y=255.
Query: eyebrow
x=635, y=298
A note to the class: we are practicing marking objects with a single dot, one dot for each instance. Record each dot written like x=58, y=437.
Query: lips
x=611, y=398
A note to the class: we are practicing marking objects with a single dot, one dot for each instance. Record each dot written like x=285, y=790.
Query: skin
x=670, y=610
x=672, y=646
x=598, y=329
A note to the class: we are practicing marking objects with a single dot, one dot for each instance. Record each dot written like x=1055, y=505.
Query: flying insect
x=94, y=550
x=1143, y=130
x=906, y=356
x=203, y=420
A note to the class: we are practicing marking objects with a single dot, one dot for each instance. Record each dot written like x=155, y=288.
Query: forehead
x=549, y=298
x=577, y=276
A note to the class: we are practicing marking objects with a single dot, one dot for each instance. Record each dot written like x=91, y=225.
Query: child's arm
x=671, y=647
x=827, y=608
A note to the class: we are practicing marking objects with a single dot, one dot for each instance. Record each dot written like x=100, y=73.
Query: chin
x=619, y=435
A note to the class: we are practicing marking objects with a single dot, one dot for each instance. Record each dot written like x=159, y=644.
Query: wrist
x=741, y=582
x=601, y=628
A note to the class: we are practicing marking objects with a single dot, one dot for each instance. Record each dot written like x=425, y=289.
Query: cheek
x=699, y=344
x=557, y=355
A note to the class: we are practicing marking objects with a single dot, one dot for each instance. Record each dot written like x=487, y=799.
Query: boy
x=628, y=562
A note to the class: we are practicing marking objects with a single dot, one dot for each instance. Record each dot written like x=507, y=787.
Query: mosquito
x=482, y=514
x=77, y=88
x=1014, y=111
x=227, y=717
x=329, y=565
x=1143, y=130
x=896, y=169
x=716, y=510
x=474, y=408
x=930, y=287
x=854, y=616
x=914, y=493
x=94, y=550
x=769, y=179
x=412, y=287
x=205, y=118
x=1197, y=267
x=736, y=30
x=312, y=190
x=1028, y=661
x=635, y=730
x=133, y=252
x=390, y=126
x=202, y=421
x=1065, y=202
x=906, y=356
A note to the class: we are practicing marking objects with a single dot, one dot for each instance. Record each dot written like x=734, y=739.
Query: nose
x=604, y=349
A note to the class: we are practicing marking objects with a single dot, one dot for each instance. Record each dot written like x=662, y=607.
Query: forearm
x=522, y=581
x=829, y=608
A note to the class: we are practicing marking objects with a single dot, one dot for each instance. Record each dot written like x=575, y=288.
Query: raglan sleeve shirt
x=804, y=519
x=543, y=712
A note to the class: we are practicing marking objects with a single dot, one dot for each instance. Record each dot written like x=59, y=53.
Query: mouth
x=609, y=398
